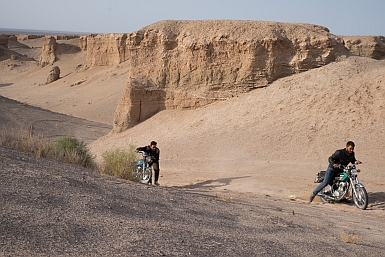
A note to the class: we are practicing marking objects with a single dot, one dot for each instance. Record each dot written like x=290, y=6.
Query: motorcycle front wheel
x=146, y=175
x=360, y=198
x=142, y=175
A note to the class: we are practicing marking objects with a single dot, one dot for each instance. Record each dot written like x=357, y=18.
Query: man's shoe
x=311, y=198
x=157, y=183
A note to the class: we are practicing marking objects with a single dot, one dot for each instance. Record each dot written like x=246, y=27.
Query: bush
x=70, y=149
x=120, y=163
x=65, y=149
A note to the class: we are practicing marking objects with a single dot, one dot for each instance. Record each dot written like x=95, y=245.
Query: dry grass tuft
x=120, y=163
x=351, y=239
x=66, y=149
x=225, y=197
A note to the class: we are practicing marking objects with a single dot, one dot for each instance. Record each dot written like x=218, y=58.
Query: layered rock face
x=372, y=47
x=188, y=64
x=104, y=50
x=48, y=51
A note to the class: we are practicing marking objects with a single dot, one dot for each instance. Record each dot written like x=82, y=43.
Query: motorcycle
x=339, y=188
x=143, y=170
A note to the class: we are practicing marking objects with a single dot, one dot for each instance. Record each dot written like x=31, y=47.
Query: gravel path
x=49, y=208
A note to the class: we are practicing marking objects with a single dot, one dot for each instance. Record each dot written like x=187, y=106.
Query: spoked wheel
x=142, y=176
x=360, y=198
x=146, y=175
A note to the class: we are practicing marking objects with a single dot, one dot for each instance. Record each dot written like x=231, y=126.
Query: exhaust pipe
x=326, y=196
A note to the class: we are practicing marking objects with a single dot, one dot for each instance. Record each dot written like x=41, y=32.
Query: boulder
x=53, y=75
x=48, y=56
x=366, y=46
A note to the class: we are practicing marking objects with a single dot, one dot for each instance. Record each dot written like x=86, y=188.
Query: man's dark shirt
x=342, y=157
x=154, y=154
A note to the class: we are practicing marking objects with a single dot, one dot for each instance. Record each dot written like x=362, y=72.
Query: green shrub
x=120, y=163
x=70, y=149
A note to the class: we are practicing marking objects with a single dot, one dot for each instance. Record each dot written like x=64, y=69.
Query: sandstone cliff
x=188, y=64
x=48, y=51
x=372, y=47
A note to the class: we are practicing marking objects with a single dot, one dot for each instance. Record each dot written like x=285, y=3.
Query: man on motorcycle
x=154, y=152
x=344, y=157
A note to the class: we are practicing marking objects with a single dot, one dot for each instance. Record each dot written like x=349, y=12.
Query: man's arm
x=334, y=158
x=354, y=160
x=144, y=148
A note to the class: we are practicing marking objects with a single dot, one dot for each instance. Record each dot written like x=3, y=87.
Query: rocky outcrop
x=48, y=56
x=366, y=46
x=30, y=36
x=4, y=41
x=53, y=75
x=66, y=37
x=105, y=50
x=83, y=43
x=188, y=64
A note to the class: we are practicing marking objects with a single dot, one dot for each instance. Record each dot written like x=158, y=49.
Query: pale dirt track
x=54, y=209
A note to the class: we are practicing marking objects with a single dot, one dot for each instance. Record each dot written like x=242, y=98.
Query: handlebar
x=342, y=167
x=142, y=153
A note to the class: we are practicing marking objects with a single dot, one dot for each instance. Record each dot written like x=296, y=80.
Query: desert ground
x=257, y=151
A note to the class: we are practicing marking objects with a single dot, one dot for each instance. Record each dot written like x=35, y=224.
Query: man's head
x=350, y=147
x=153, y=145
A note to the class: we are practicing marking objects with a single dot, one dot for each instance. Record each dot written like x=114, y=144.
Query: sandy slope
x=92, y=94
x=272, y=140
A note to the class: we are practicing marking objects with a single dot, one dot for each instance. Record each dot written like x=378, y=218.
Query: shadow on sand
x=6, y=84
x=212, y=183
x=377, y=200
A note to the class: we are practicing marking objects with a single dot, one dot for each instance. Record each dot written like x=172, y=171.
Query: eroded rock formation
x=188, y=64
x=105, y=49
x=48, y=51
x=83, y=43
x=53, y=75
x=372, y=47
x=3, y=41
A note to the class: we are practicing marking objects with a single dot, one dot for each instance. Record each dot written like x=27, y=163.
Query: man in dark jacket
x=344, y=157
x=154, y=152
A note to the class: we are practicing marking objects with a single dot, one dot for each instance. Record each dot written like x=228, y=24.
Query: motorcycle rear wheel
x=324, y=199
x=361, y=200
